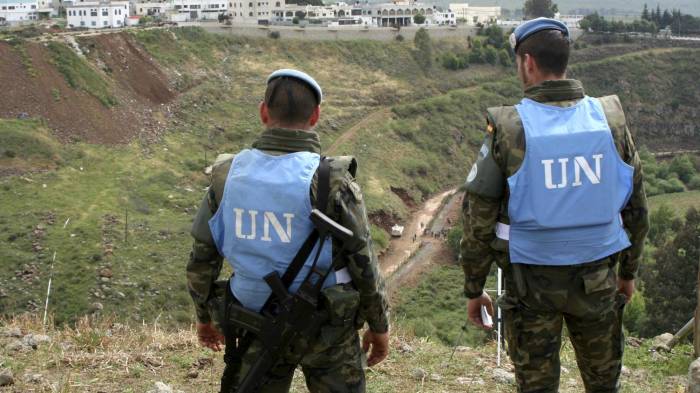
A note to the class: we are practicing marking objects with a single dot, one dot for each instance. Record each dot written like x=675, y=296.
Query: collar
x=288, y=141
x=556, y=90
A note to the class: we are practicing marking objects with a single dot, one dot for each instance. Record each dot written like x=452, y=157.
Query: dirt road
x=401, y=249
x=431, y=250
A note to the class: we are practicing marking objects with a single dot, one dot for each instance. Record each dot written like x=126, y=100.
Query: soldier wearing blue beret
x=556, y=198
x=256, y=215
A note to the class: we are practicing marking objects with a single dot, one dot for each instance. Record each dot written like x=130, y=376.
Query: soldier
x=266, y=194
x=556, y=199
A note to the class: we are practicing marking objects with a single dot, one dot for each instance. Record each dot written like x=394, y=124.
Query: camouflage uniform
x=333, y=361
x=539, y=298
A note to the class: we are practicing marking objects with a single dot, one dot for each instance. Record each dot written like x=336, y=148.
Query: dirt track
x=401, y=249
x=350, y=133
x=429, y=249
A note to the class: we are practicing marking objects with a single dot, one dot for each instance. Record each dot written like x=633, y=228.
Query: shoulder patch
x=489, y=128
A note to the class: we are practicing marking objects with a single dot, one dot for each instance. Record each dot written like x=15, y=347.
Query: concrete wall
x=340, y=33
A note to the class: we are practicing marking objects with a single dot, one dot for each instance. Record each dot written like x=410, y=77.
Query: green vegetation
x=436, y=308
x=675, y=261
x=636, y=77
x=28, y=140
x=430, y=124
x=537, y=8
x=79, y=74
x=424, y=49
x=493, y=49
x=668, y=177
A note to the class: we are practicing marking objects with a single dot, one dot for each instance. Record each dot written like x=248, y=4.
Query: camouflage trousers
x=332, y=362
x=586, y=298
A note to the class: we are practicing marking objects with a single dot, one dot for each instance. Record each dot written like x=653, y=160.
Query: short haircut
x=289, y=100
x=549, y=48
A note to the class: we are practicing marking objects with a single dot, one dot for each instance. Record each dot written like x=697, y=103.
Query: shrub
x=694, y=183
x=683, y=166
x=490, y=55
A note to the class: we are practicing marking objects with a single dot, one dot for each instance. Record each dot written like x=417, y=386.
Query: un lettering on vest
x=580, y=165
x=269, y=220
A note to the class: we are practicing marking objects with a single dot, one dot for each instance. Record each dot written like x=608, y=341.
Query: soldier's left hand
x=626, y=287
x=474, y=310
x=209, y=336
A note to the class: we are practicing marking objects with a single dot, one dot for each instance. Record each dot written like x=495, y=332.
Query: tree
x=658, y=15
x=504, y=58
x=666, y=19
x=490, y=55
x=683, y=166
x=671, y=283
x=495, y=36
x=537, y=8
x=419, y=19
x=645, y=13
x=424, y=46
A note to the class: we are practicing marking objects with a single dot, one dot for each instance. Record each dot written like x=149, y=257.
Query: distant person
x=556, y=199
x=256, y=215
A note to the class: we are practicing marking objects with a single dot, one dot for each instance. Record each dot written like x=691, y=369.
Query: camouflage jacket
x=345, y=205
x=486, y=199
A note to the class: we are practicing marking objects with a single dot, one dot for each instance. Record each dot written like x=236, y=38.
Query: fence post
x=696, y=330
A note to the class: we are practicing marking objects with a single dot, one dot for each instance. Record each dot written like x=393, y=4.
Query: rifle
x=285, y=316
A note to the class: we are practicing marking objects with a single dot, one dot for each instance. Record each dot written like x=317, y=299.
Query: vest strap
x=503, y=231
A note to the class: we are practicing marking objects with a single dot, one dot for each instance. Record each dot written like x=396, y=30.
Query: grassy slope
x=655, y=87
x=679, y=201
x=423, y=144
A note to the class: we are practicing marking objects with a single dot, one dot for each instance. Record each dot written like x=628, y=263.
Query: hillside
x=102, y=152
x=104, y=168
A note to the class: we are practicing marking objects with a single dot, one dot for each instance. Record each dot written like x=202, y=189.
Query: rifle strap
x=322, y=193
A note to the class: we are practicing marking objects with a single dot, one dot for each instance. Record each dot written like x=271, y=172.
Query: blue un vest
x=566, y=198
x=263, y=220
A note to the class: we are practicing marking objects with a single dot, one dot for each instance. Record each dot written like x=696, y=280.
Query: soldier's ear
x=264, y=113
x=315, y=116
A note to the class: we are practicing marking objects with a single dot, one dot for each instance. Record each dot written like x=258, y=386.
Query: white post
x=498, y=316
x=48, y=289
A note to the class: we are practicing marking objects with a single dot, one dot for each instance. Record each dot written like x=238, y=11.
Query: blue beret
x=289, y=73
x=533, y=26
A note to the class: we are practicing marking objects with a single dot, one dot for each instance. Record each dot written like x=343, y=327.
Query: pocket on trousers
x=599, y=280
x=341, y=302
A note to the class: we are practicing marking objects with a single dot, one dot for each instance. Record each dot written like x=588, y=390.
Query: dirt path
x=350, y=133
x=431, y=250
x=401, y=249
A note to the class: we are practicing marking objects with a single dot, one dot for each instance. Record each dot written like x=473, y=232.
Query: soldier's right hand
x=209, y=336
x=474, y=310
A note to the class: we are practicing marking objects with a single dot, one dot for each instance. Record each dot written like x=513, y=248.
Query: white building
x=256, y=11
x=398, y=13
x=153, y=8
x=200, y=9
x=571, y=21
x=474, y=15
x=97, y=14
x=444, y=18
x=18, y=11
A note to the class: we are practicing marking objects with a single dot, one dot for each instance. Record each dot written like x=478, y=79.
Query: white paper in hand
x=486, y=317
